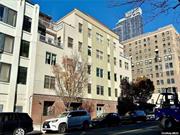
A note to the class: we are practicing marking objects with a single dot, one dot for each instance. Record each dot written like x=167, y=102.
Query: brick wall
x=58, y=107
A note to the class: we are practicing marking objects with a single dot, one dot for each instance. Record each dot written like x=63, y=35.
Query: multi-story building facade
x=18, y=40
x=130, y=26
x=79, y=33
x=156, y=55
x=32, y=43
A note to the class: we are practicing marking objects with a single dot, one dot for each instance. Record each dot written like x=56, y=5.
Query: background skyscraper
x=131, y=25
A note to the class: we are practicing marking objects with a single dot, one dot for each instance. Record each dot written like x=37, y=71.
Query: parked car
x=134, y=116
x=68, y=120
x=15, y=123
x=106, y=119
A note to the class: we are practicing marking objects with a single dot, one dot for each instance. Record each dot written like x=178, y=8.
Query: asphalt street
x=143, y=128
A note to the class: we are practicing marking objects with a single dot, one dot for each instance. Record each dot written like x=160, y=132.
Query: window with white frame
x=6, y=43
x=8, y=15
x=99, y=37
x=49, y=82
x=80, y=26
x=50, y=58
x=5, y=70
x=99, y=90
x=99, y=72
x=99, y=54
x=70, y=42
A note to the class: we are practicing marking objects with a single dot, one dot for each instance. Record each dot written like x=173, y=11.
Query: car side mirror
x=69, y=116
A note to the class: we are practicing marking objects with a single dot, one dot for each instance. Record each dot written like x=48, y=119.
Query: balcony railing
x=50, y=41
x=51, y=25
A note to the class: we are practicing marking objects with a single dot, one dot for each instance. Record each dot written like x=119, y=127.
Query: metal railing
x=51, y=25
x=50, y=41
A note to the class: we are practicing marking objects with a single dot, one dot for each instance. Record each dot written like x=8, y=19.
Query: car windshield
x=62, y=115
x=103, y=115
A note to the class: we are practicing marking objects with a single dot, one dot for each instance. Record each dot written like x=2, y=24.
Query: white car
x=68, y=120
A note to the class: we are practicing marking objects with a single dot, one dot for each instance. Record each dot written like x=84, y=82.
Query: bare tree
x=71, y=79
x=154, y=9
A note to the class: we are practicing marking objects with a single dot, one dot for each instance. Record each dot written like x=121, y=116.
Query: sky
x=103, y=11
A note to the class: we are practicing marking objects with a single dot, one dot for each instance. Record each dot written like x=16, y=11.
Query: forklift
x=167, y=110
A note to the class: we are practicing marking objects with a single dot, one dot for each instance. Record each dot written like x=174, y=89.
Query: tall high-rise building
x=156, y=55
x=130, y=26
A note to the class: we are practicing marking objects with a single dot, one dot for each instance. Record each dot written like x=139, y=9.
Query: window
x=109, y=91
x=172, y=80
x=48, y=108
x=89, y=32
x=126, y=65
x=109, y=75
x=108, y=58
x=172, y=72
x=162, y=82
x=8, y=15
x=114, y=60
x=80, y=27
x=6, y=43
x=89, y=88
x=120, y=63
x=1, y=12
x=168, y=81
x=120, y=77
x=89, y=69
x=99, y=54
x=100, y=90
x=80, y=46
x=99, y=72
x=158, y=82
x=27, y=24
x=89, y=50
x=116, y=93
x=115, y=77
x=70, y=42
x=171, y=65
x=50, y=58
x=49, y=82
x=59, y=41
x=24, y=51
x=22, y=75
x=5, y=70
x=99, y=37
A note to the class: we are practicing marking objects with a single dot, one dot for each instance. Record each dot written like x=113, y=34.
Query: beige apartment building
x=78, y=33
x=156, y=55
x=32, y=43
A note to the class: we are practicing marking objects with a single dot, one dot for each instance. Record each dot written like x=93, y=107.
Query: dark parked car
x=134, y=116
x=106, y=119
x=15, y=123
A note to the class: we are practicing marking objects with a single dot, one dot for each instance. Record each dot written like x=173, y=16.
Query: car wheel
x=62, y=128
x=167, y=123
x=19, y=131
x=85, y=125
